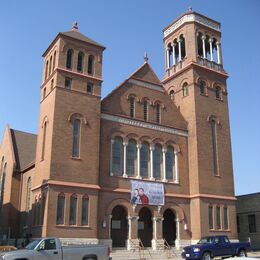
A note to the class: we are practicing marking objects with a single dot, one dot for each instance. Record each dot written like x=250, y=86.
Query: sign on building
x=147, y=193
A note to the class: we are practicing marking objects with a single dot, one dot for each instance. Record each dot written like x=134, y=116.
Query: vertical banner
x=147, y=193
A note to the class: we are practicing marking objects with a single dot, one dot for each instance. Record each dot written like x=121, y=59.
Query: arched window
x=44, y=139
x=202, y=86
x=80, y=61
x=169, y=163
x=214, y=146
x=73, y=209
x=85, y=210
x=144, y=159
x=54, y=61
x=60, y=209
x=172, y=94
x=76, y=138
x=157, y=158
x=183, y=49
x=50, y=70
x=158, y=113
x=145, y=110
x=69, y=59
x=90, y=64
x=185, y=89
x=117, y=156
x=218, y=92
x=130, y=157
x=46, y=69
x=2, y=187
x=28, y=194
x=132, y=106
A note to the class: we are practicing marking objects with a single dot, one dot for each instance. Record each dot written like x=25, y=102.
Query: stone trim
x=192, y=18
x=133, y=122
x=146, y=84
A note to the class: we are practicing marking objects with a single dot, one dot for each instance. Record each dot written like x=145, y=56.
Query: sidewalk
x=255, y=254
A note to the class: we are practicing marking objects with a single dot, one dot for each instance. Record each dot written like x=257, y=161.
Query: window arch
x=145, y=104
x=54, y=61
x=213, y=129
x=185, y=89
x=80, y=61
x=69, y=59
x=117, y=156
x=183, y=49
x=46, y=69
x=85, y=210
x=76, y=138
x=202, y=86
x=172, y=94
x=218, y=92
x=50, y=70
x=60, y=209
x=169, y=163
x=90, y=64
x=144, y=159
x=130, y=157
x=28, y=194
x=44, y=139
x=157, y=159
x=2, y=187
x=158, y=113
x=73, y=209
x=132, y=106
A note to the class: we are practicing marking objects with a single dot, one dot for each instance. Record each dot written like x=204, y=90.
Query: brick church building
x=74, y=178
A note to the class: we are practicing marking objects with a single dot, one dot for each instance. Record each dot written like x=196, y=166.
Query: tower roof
x=75, y=34
x=191, y=16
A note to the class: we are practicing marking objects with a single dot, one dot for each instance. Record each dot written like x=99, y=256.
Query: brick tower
x=67, y=157
x=196, y=81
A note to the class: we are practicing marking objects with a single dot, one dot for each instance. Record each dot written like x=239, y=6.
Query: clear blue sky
x=128, y=29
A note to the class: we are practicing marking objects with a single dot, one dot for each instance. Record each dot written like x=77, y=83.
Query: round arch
x=177, y=210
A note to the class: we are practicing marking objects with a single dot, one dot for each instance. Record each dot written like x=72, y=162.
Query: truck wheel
x=242, y=253
x=206, y=256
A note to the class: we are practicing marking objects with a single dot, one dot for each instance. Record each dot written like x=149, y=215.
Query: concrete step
x=119, y=254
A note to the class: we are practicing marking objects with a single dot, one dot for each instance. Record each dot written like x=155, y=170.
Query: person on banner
x=143, y=198
x=136, y=198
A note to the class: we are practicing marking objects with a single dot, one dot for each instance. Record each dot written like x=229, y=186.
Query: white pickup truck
x=50, y=248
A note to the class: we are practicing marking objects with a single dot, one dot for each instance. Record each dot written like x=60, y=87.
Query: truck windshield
x=206, y=240
x=33, y=244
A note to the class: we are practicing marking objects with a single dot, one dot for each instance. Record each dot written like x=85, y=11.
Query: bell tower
x=67, y=156
x=196, y=81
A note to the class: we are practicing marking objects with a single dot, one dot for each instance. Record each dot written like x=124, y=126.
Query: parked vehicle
x=50, y=248
x=7, y=248
x=209, y=247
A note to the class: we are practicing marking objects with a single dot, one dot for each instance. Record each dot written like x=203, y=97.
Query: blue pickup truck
x=212, y=246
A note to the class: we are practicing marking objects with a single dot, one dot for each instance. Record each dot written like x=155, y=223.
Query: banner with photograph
x=147, y=193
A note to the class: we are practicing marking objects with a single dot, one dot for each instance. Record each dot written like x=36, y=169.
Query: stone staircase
x=147, y=253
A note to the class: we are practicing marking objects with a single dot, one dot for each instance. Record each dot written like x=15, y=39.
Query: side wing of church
x=151, y=162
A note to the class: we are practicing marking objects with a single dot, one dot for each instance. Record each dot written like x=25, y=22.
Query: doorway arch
x=119, y=228
x=145, y=227
x=169, y=227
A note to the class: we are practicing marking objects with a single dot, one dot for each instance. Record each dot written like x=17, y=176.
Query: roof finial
x=146, y=57
x=75, y=26
x=190, y=8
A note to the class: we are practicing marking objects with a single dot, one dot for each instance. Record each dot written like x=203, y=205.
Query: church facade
x=150, y=162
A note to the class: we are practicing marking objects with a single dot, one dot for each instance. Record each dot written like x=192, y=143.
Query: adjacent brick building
x=173, y=132
x=248, y=218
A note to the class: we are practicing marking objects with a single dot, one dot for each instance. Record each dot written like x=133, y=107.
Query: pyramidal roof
x=81, y=37
x=75, y=34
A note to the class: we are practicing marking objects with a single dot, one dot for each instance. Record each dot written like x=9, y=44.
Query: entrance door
x=169, y=227
x=145, y=227
x=119, y=228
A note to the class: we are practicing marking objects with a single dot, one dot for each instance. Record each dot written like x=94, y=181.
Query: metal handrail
x=141, y=249
x=168, y=248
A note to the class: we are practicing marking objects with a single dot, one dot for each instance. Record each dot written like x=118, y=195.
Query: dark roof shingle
x=24, y=148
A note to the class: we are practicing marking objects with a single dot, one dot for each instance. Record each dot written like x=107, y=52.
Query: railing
x=141, y=249
x=209, y=64
x=168, y=248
